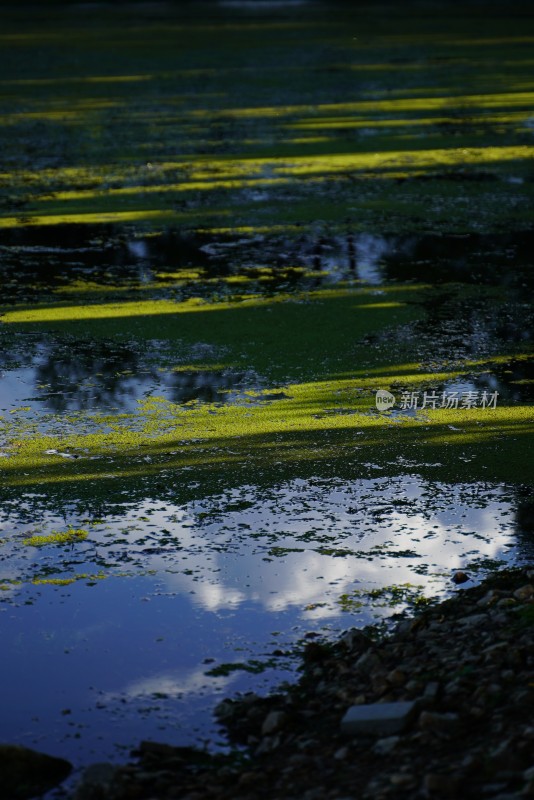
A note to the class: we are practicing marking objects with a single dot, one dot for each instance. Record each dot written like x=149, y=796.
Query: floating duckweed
x=397, y=594
x=67, y=581
x=58, y=537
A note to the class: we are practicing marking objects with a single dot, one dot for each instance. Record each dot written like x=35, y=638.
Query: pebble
x=472, y=620
x=266, y=745
x=401, y=779
x=97, y=778
x=273, y=722
x=384, y=746
x=248, y=778
x=489, y=599
x=524, y=592
x=439, y=785
x=396, y=677
x=368, y=662
x=355, y=639
x=442, y=723
x=431, y=690
x=460, y=577
x=377, y=718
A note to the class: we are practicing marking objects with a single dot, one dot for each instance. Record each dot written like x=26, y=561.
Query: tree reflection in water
x=114, y=376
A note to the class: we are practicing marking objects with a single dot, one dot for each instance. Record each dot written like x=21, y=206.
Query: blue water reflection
x=163, y=593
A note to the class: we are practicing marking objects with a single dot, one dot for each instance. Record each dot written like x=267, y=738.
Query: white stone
x=378, y=718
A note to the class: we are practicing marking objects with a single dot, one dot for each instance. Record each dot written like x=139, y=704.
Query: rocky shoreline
x=462, y=670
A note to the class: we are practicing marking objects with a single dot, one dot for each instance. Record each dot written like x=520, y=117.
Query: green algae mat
x=224, y=228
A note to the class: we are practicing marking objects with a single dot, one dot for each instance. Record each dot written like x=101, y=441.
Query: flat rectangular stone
x=378, y=718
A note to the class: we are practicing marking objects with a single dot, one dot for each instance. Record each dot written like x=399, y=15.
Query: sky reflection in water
x=165, y=593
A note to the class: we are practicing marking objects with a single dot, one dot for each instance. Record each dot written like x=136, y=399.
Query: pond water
x=165, y=607
x=141, y=614
x=221, y=233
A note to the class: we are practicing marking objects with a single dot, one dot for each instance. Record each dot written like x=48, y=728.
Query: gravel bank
x=466, y=663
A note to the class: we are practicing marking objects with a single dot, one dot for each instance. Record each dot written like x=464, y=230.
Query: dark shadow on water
x=470, y=258
x=40, y=259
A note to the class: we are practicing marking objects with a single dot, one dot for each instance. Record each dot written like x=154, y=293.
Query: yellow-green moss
x=58, y=537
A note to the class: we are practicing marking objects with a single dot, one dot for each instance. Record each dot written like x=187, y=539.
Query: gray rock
x=506, y=602
x=403, y=628
x=473, y=620
x=267, y=744
x=401, y=779
x=26, y=773
x=460, y=577
x=96, y=781
x=396, y=677
x=441, y=785
x=508, y=796
x=355, y=639
x=273, y=722
x=489, y=598
x=248, y=778
x=432, y=690
x=384, y=746
x=443, y=723
x=225, y=709
x=378, y=718
x=524, y=592
x=368, y=662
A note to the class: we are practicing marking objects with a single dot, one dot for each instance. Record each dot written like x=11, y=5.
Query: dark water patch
x=514, y=380
x=109, y=376
x=488, y=259
x=459, y=324
x=470, y=258
x=83, y=259
x=510, y=382
x=37, y=260
x=87, y=260
x=500, y=380
x=454, y=177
